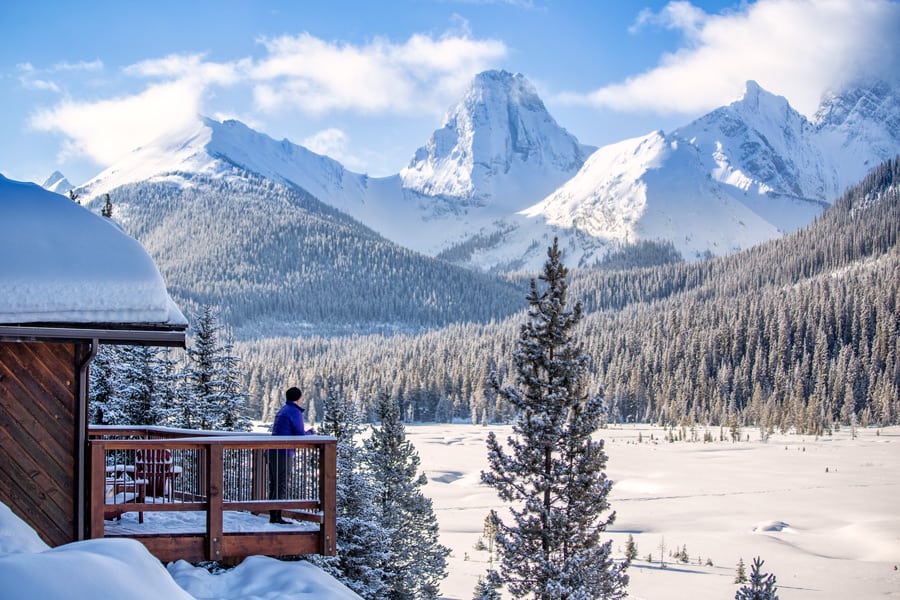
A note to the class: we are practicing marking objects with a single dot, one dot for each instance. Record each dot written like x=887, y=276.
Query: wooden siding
x=38, y=391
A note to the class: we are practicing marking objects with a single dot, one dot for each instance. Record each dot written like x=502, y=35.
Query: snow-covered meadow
x=823, y=513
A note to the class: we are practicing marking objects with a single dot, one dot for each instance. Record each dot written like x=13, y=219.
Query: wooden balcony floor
x=157, y=523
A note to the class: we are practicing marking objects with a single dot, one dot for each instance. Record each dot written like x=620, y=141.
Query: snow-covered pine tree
x=105, y=407
x=740, y=573
x=362, y=542
x=761, y=587
x=167, y=388
x=419, y=561
x=214, y=398
x=553, y=474
x=137, y=378
x=488, y=587
x=631, y=549
x=233, y=396
x=128, y=384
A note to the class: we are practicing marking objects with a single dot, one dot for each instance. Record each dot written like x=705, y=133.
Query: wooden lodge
x=185, y=494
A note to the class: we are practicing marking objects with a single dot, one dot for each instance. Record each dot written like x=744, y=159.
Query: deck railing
x=204, y=495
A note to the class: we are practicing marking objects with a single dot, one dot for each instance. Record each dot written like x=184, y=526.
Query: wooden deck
x=214, y=474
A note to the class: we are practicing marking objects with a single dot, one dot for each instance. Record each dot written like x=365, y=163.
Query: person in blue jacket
x=288, y=421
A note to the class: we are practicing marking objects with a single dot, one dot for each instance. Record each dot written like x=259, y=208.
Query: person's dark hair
x=293, y=394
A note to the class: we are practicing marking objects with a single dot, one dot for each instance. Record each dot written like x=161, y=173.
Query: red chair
x=156, y=467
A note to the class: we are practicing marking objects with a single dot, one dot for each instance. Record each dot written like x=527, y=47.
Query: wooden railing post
x=96, y=489
x=328, y=497
x=214, y=486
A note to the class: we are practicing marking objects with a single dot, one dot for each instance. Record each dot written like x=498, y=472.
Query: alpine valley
x=744, y=266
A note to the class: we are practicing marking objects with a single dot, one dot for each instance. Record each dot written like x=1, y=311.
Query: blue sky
x=367, y=82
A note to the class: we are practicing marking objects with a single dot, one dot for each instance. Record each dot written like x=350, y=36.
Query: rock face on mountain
x=857, y=129
x=498, y=147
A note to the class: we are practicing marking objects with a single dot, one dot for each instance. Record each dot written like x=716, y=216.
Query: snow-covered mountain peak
x=759, y=144
x=208, y=147
x=58, y=183
x=498, y=146
x=757, y=100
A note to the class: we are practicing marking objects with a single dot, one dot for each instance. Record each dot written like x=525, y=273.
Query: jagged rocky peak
x=876, y=100
x=759, y=143
x=499, y=127
x=758, y=109
x=58, y=183
x=757, y=98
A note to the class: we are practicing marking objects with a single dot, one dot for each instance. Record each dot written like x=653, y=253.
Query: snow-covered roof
x=62, y=264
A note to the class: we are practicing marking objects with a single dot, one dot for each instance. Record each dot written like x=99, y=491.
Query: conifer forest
x=801, y=332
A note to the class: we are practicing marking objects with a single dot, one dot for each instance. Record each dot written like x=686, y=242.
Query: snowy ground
x=823, y=513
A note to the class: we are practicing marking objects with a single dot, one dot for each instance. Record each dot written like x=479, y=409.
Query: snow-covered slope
x=650, y=188
x=210, y=148
x=499, y=146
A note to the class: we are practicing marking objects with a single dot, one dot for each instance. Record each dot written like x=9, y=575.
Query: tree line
x=799, y=332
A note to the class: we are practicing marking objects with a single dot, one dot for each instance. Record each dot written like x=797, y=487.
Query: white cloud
x=682, y=16
x=82, y=65
x=309, y=74
x=189, y=67
x=333, y=142
x=38, y=84
x=796, y=48
x=107, y=130
x=297, y=73
x=32, y=78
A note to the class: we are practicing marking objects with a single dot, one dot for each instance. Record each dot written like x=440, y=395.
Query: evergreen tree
x=362, y=542
x=136, y=377
x=419, y=561
x=762, y=586
x=740, y=575
x=131, y=385
x=232, y=395
x=631, y=550
x=553, y=475
x=107, y=209
x=488, y=588
x=214, y=397
x=104, y=407
x=167, y=390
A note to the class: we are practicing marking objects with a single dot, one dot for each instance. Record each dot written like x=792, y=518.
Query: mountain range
x=488, y=191
x=492, y=187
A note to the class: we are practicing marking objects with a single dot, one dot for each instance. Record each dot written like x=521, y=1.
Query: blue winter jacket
x=288, y=421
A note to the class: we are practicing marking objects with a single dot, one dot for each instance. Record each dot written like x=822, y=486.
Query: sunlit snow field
x=823, y=513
